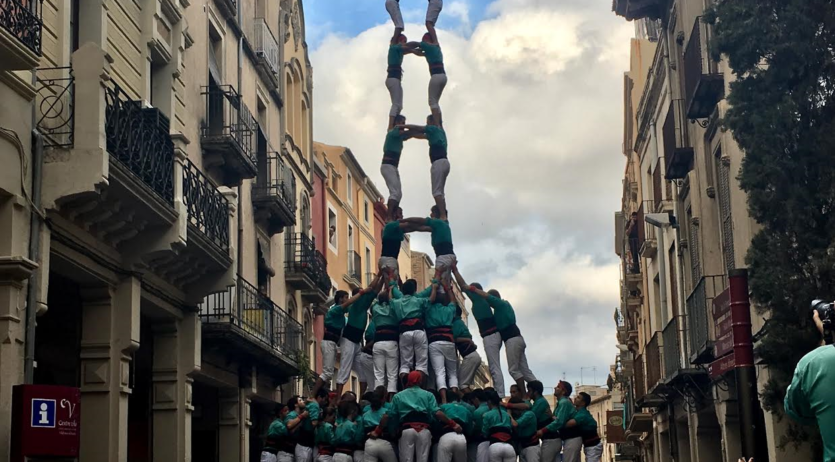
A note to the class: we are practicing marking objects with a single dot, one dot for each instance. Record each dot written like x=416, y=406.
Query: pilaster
x=233, y=423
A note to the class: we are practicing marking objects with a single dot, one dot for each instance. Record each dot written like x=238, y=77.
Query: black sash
x=391, y=248
x=437, y=153
x=439, y=334
x=394, y=72
x=386, y=333
x=466, y=348
x=353, y=334
x=332, y=334
x=509, y=332
x=391, y=158
x=443, y=248
x=487, y=326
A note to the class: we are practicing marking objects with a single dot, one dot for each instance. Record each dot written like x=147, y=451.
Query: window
x=334, y=180
x=350, y=184
x=365, y=211
x=368, y=271
x=350, y=238
x=332, y=236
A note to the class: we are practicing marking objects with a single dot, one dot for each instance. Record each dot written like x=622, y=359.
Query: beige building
x=679, y=163
x=156, y=238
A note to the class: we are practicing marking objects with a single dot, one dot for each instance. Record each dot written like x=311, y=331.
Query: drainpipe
x=240, y=188
x=34, y=255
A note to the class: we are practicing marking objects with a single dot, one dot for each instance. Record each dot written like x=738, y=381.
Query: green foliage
x=783, y=116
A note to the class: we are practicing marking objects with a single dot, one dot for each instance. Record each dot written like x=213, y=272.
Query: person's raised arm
x=295, y=422
x=478, y=291
x=418, y=221
x=395, y=291
x=410, y=227
x=352, y=300
x=519, y=406
x=462, y=284
x=434, y=293
x=430, y=27
x=415, y=128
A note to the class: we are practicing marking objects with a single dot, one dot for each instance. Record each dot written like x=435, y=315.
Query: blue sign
x=43, y=413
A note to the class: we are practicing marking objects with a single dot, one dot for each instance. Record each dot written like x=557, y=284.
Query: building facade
x=681, y=171
x=158, y=237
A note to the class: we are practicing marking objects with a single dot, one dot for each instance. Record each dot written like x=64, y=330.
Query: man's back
x=809, y=397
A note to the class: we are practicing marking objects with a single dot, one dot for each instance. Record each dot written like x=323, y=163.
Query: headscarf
x=414, y=378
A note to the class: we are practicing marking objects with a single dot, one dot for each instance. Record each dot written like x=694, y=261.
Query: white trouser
x=415, y=445
x=304, y=453
x=550, y=450
x=280, y=457
x=413, y=350
x=517, y=362
x=529, y=454
x=437, y=82
x=452, y=447
x=359, y=455
x=347, y=360
x=386, y=365
x=502, y=452
x=483, y=452
x=444, y=263
x=385, y=263
x=364, y=365
x=594, y=453
x=393, y=7
x=392, y=177
x=571, y=449
x=434, y=10
x=267, y=457
x=395, y=87
x=328, y=360
x=339, y=457
x=324, y=458
x=438, y=172
x=445, y=364
x=379, y=450
x=466, y=371
x=493, y=348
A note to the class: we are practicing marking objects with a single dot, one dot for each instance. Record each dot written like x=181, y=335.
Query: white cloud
x=533, y=115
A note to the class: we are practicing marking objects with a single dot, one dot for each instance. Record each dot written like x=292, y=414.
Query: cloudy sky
x=532, y=111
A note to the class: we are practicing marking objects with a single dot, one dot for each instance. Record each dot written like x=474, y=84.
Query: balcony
x=678, y=154
x=54, y=105
x=354, y=274
x=700, y=318
x=654, y=368
x=639, y=384
x=638, y=9
x=677, y=369
x=266, y=52
x=306, y=268
x=228, y=135
x=227, y=8
x=274, y=193
x=208, y=214
x=20, y=34
x=704, y=85
x=647, y=242
x=244, y=320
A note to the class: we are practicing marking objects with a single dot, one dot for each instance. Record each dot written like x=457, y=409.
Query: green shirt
x=371, y=419
x=432, y=52
x=438, y=315
x=395, y=58
x=503, y=312
x=585, y=421
x=346, y=434
x=526, y=425
x=542, y=410
x=441, y=232
x=392, y=231
x=480, y=309
x=335, y=318
x=414, y=399
x=383, y=314
x=459, y=413
x=436, y=136
x=460, y=330
x=809, y=397
x=497, y=417
x=369, y=332
x=324, y=434
x=478, y=417
x=314, y=411
x=277, y=430
x=358, y=311
x=564, y=412
x=410, y=306
x=393, y=143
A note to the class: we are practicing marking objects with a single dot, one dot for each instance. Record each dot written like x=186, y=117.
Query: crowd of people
x=414, y=350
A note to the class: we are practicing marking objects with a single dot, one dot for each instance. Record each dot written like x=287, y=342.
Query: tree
x=782, y=114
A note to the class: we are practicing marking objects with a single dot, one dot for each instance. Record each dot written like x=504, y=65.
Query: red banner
x=721, y=366
x=614, y=427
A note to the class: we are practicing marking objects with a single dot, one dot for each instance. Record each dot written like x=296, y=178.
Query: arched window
x=305, y=213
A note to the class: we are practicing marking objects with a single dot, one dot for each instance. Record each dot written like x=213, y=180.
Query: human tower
x=409, y=330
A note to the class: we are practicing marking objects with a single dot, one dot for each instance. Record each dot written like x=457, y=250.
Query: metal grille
x=139, y=139
x=265, y=44
x=725, y=213
x=276, y=179
x=55, y=87
x=23, y=20
x=695, y=253
x=699, y=305
x=640, y=381
x=304, y=258
x=653, y=356
x=208, y=210
x=672, y=352
x=229, y=118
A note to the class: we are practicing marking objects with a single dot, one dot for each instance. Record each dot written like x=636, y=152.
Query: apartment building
x=158, y=238
x=676, y=362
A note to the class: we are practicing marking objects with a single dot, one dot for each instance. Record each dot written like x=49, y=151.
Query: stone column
x=110, y=334
x=176, y=356
x=234, y=423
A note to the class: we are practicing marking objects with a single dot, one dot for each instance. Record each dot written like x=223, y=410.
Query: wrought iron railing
x=640, y=381
x=652, y=353
x=55, y=105
x=700, y=69
x=139, y=139
x=276, y=179
x=208, y=210
x=354, y=266
x=228, y=119
x=699, y=310
x=23, y=20
x=304, y=258
x=266, y=46
x=672, y=352
x=646, y=232
x=259, y=317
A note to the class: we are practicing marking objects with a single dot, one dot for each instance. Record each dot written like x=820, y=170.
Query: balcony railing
x=302, y=257
x=678, y=154
x=647, y=244
x=266, y=47
x=256, y=315
x=640, y=379
x=55, y=105
x=139, y=139
x=699, y=310
x=230, y=129
x=208, y=210
x=276, y=180
x=354, y=266
x=704, y=85
x=22, y=19
x=652, y=353
x=672, y=351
